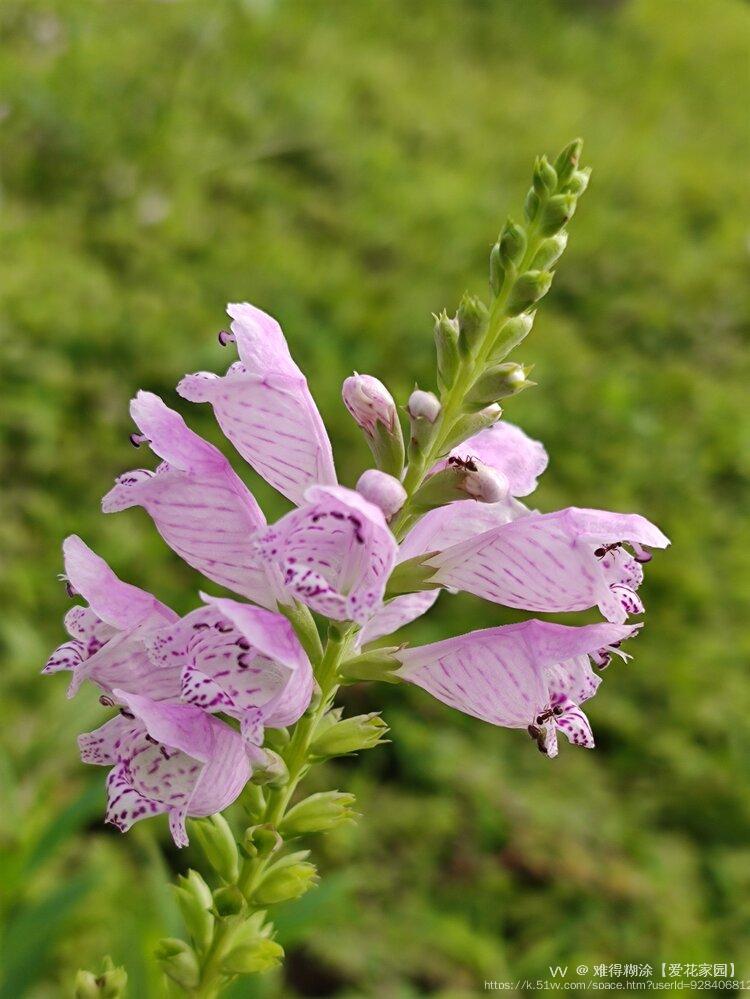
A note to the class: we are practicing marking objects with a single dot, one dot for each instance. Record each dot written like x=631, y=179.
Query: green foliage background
x=346, y=166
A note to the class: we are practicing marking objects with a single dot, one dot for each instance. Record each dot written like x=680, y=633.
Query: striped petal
x=549, y=562
x=506, y=448
x=199, y=505
x=265, y=408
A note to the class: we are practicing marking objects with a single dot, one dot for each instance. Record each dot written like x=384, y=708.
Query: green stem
x=297, y=758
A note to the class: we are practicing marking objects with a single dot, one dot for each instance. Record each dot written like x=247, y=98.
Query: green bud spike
x=379, y=664
x=411, y=576
x=318, y=813
x=350, y=735
x=545, y=177
x=446, y=345
x=194, y=900
x=512, y=243
x=178, y=962
x=558, y=211
x=549, y=252
x=511, y=333
x=567, y=162
x=468, y=425
x=217, y=842
x=529, y=288
x=228, y=901
x=531, y=205
x=497, y=274
x=287, y=879
x=498, y=382
x=110, y=984
x=472, y=323
x=578, y=182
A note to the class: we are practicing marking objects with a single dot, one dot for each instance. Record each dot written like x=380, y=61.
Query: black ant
x=601, y=552
x=468, y=464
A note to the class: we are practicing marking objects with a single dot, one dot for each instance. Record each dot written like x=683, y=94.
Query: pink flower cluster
x=174, y=678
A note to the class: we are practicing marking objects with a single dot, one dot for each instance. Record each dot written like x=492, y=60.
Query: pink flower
x=108, y=637
x=241, y=660
x=370, y=403
x=166, y=757
x=532, y=675
x=382, y=490
x=563, y=561
x=198, y=503
x=265, y=408
x=335, y=553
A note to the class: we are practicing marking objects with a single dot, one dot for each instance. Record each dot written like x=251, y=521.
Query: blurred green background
x=346, y=166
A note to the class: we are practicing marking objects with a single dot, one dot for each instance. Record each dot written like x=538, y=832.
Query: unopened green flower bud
x=531, y=205
x=217, y=842
x=470, y=424
x=287, y=879
x=499, y=382
x=194, y=900
x=545, y=177
x=567, y=162
x=254, y=958
x=262, y=841
x=350, y=735
x=512, y=243
x=578, y=182
x=558, y=211
x=497, y=272
x=472, y=323
x=549, y=252
x=318, y=813
x=178, y=962
x=110, y=984
x=272, y=772
x=378, y=664
x=446, y=345
x=228, y=900
x=529, y=288
x=511, y=333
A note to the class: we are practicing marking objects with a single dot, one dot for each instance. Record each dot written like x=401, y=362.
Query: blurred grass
x=346, y=166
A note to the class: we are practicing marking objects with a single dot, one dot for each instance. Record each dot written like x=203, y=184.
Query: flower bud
x=545, y=177
x=261, y=840
x=350, y=735
x=446, y=345
x=382, y=490
x=497, y=272
x=287, y=879
x=472, y=323
x=273, y=771
x=249, y=947
x=529, y=288
x=110, y=984
x=179, y=962
x=531, y=205
x=485, y=484
x=567, y=162
x=549, y=252
x=511, y=333
x=578, y=182
x=471, y=423
x=512, y=243
x=194, y=900
x=558, y=211
x=217, y=842
x=499, y=382
x=423, y=406
x=379, y=664
x=374, y=411
x=318, y=813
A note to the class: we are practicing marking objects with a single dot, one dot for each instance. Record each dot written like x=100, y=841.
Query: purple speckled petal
x=125, y=805
x=508, y=450
x=396, y=613
x=199, y=505
x=336, y=553
x=574, y=724
x=501, y=674
x=101, y=747
x=573, y=678
x=548, y=562
x=265, y=408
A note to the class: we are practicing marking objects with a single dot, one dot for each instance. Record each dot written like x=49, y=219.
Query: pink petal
x=126, y=805
x=547, y=562
x=101, y=747
x=336, y=552
x=199, y=505
x=574, y=725
x=396, y=613
x=454, y=523
x=508, y=450
x=265, y=408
